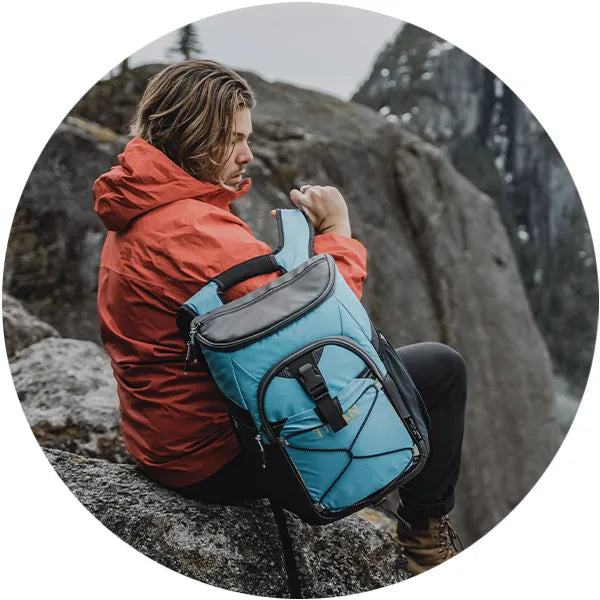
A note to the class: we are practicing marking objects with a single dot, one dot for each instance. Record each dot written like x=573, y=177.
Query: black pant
x=439, y=372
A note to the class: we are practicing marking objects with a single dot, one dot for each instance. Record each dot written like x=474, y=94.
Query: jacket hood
x=146, y=179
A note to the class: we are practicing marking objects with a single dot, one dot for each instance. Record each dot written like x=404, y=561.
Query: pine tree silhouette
x=187, y=44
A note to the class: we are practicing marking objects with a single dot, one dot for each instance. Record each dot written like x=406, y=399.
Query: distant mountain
x=448, y=98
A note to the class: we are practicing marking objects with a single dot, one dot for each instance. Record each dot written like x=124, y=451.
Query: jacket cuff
x=328, y=242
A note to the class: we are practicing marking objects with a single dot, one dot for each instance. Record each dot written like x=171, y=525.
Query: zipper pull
x=187, y=358
x=261, y=448
x=190, y=346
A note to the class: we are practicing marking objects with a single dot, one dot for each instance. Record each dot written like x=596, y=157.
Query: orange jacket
x=168, y=235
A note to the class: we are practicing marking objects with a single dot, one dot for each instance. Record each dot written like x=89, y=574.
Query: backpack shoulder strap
x=289, y=559
x=205, y=299
x=296, y=238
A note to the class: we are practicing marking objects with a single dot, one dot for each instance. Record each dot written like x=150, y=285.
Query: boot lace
x=449, y=542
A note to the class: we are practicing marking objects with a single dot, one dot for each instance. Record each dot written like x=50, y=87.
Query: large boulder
x=233, y=547
x=481, y=309
x=69, y=396
x=21, y=328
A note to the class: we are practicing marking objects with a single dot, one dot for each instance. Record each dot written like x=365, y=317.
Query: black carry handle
x=259, y=265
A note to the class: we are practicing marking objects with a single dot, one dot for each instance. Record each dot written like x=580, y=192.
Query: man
x=171, y=229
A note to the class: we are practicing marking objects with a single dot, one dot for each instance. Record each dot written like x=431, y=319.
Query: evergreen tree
x=188, y=43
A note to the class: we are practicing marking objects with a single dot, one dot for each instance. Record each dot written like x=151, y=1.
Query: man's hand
x=325, y=207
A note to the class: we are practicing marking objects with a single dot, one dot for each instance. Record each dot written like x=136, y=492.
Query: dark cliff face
x=440, y=265
x=52, y=255
x=448, y=98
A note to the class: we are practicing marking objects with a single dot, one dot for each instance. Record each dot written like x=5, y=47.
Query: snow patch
x=522, y=234
x=438, y=48
x=498, y=88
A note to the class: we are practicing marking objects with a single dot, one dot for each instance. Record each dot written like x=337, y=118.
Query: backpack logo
x=349, y=415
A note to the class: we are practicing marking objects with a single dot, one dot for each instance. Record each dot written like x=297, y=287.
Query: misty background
x=316, y=46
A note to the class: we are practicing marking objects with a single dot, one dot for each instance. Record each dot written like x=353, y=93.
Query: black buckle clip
x=328, y=409
x=312, y=381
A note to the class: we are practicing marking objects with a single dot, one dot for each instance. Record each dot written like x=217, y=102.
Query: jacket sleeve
x=223, y=241
x=350, y=258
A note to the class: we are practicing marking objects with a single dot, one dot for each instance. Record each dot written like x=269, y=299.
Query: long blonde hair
x=188, y=112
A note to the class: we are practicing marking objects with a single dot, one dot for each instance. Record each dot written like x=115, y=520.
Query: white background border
x=54, y=52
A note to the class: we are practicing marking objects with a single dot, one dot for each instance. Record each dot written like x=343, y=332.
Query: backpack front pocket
x=338, y=467
x=341, y=468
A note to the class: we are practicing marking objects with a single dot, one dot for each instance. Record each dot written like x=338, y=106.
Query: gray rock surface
x=232, y=547
x=69, y=396
x=21, y=328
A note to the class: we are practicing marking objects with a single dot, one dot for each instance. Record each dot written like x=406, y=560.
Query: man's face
x=233, y=171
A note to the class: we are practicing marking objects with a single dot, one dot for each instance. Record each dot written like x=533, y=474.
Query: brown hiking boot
x=429, y=543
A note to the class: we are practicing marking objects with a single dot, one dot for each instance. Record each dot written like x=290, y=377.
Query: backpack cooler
x=315, y=392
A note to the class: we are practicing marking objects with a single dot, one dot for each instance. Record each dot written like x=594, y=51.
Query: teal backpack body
x=316, y=393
